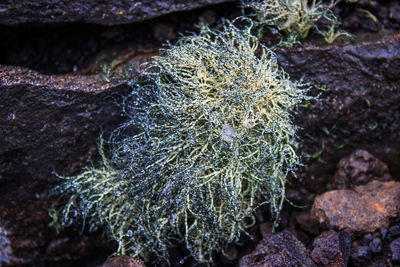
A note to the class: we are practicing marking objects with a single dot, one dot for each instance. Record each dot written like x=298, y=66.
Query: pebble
x=364, y=209
x=394, y=231
x=361, y=254
x=395, y=248
x=375, y=245
x=282, y=249
x=332, y=249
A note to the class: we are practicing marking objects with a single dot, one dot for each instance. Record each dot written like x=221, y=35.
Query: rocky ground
x=61, y=82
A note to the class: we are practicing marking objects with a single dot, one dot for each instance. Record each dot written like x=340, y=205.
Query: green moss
x=296, y=18
x=208, y=140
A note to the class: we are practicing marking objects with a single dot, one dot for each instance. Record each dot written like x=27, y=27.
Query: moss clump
x=297, y=17
x=213, y=141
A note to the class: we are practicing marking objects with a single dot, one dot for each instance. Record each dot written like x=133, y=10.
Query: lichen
x=209, y=138
x=296, y=18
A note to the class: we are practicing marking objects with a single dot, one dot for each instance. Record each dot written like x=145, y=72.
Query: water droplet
x=129, y=233
x=228, y=133
x=67, y=222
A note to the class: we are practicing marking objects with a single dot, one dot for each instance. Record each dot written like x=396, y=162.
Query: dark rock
x=367, y=239
x=375, y=245
x=395, y=248
x=91, y=11
x=364, y=209
x=49, y=123
x=278, y=250
x=332, y=249
x=394, y=231
x=123, y=261
x=307, y=223
x=384, y=233
x=360, y=254
x=359, y=168
x=395, y=13
x=360, y=109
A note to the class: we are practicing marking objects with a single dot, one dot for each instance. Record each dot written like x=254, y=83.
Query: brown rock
x=332, y=249
x=359, y=168
x=123, y=261
x=364, y=209
x=278, y=250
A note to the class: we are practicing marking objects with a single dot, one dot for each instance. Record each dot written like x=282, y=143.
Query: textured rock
x=360, y=107
x=332, y=249
x=364, y=209
x=395, y=248
x=100, y=12
x=123, y=261
x=375, y=245
x=360, y=254
x=359, y=168
x=278, y=250
x=48, y=123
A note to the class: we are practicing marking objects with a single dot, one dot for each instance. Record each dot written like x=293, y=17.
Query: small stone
x=123, y=261
x=395, y=248
x=367, y=239
x=360, y=254
x=384, y=233
x=278, y=250
x=375, y=245
x=332, y=249
x=362, y=210
x=394, y=231
x=359, y=168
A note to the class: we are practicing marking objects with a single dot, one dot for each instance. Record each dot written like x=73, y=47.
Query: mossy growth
x=212, y=140
x=295, y=18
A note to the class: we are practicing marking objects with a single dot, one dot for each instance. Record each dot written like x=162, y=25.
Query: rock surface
x=359, y=108
x=278, y=250
x=395, y=248
x=48, y=123
x=99, y=12
x=359, y=168
x=123, y=261
x=364, y=209
x=332, y=249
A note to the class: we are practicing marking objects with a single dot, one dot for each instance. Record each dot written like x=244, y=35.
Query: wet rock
x=359, y=168
x=307, y=223
x=359, y=109
x=394, y=231
x=395, y=248
x=375, y=245
x=91, y=11
x=362, y=210
x=49, y=124
x=360, y=254
x=332, y=249
x=367, y=239
x=395, y=13
x=278, y=250
x=123, y=261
